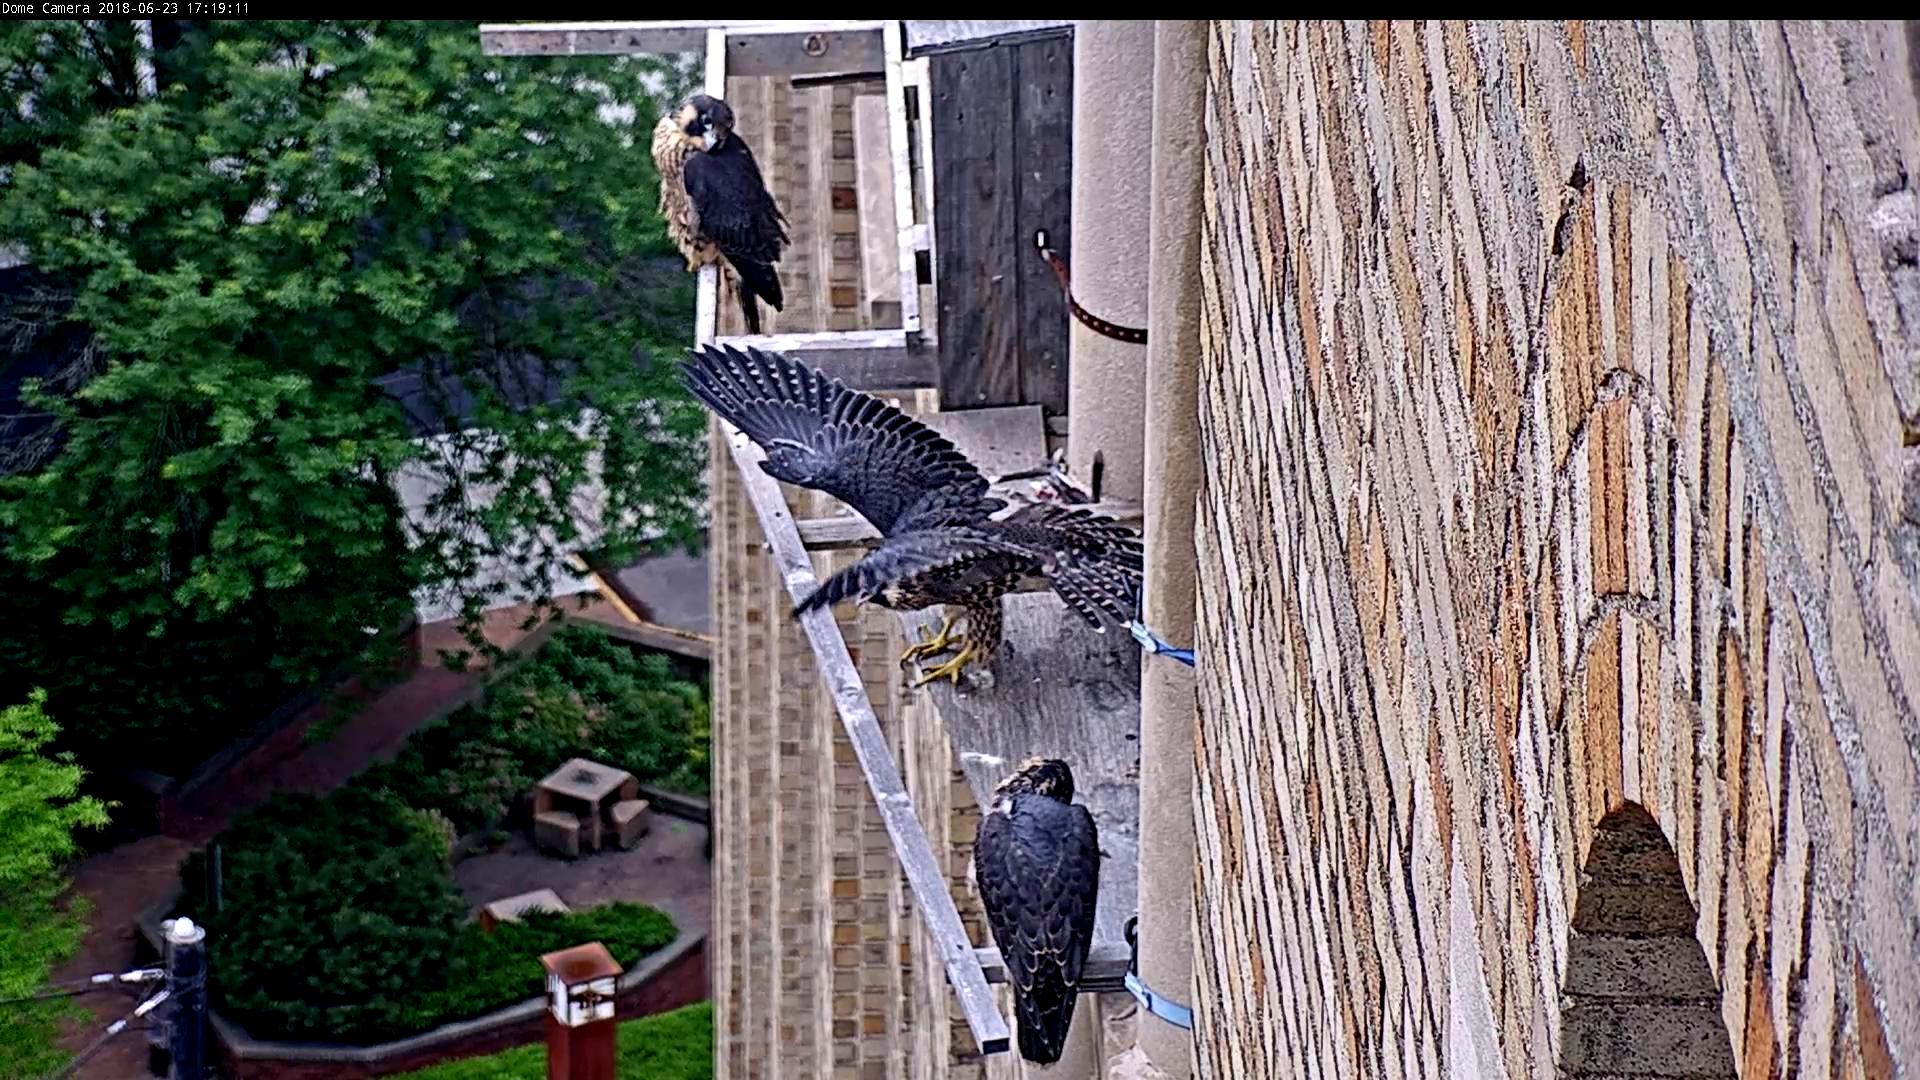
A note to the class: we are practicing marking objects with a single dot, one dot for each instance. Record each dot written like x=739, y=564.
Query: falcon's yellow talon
x=951, y=669
x=931, y=646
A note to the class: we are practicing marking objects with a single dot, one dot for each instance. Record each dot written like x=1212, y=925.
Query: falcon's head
x=705, y=121
x=1040, y=776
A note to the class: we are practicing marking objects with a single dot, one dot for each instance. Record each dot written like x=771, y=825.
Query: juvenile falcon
x=714, y=200
x=941, y=543
x=1037, y=859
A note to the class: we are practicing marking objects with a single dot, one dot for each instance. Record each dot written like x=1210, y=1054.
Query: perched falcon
x=1037, y=859
x=941, y=543
x=714, y=200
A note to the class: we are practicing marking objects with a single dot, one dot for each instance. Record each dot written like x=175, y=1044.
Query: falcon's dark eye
x=693, y=126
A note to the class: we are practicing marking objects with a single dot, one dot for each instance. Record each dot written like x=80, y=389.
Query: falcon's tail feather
x=1093, y=562
x=758, y=279
x=1043, y=1021
x=750, y=310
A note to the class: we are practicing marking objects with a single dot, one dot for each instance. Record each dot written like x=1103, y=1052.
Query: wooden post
x=581, y=983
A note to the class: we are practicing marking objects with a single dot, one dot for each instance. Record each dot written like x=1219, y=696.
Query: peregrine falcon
x=1037, y=859
x=941, y=543
x=714, y=200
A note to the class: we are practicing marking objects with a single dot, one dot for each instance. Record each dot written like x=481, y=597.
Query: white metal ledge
x=774, y=47
x=1105, y=972
x=863, y=359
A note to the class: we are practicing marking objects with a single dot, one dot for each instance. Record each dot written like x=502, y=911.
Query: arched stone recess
x=1640, y=1000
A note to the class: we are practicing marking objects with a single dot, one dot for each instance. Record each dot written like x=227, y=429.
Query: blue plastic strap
x=1154, y=643
x=1172, y=1012
x=1165, y=1008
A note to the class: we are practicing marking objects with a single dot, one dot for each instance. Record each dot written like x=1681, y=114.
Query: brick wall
x=1554, y=378
x=729, y=542
x=815, y=938
x=834, y=1001
x=942, y=1045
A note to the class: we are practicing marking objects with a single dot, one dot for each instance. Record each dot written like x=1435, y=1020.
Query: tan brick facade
x=816, y=943
x=816, y=959
x=1553, y=390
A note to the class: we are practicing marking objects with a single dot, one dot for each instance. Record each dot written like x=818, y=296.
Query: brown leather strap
x=1128, y=334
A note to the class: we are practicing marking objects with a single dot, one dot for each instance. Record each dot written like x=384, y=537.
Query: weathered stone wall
x=1553, y=399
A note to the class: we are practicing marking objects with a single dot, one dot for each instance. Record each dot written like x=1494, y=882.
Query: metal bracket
x=1180, y=1016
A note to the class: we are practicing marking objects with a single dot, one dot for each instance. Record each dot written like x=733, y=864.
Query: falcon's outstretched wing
x=897, y=472
x=1038, y=864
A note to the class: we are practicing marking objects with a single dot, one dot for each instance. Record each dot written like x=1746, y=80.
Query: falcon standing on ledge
x=715, y=202
x=941, y=544
x=1037, y=858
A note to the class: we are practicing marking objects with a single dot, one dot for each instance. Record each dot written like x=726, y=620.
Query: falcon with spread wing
x=716, y=203
x=941, y=542
x=1037, y=859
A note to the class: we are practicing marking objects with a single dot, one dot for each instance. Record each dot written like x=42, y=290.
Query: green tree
x=39, y=812
x=312, y=242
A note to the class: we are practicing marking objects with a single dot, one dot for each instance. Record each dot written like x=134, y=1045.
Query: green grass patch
x=675, y=1045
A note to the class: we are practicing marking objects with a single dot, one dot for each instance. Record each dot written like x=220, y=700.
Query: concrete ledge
x=1057, y=689
x=696, y=808
x=1656, y=1038
x=1657, y=968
